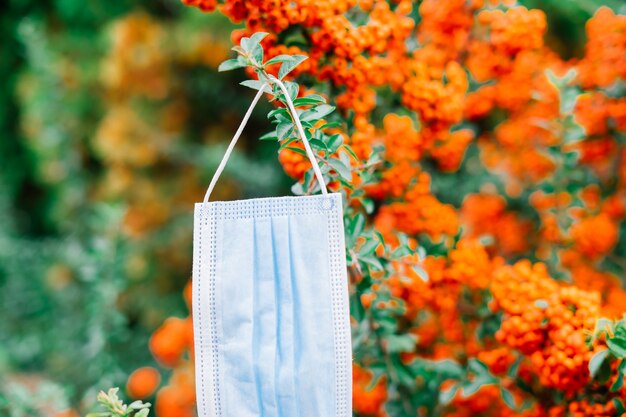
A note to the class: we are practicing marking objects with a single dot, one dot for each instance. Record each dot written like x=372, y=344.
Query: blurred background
x=113, y=118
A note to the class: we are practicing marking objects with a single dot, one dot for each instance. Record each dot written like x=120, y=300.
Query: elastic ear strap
x=232, y=144
x=246, y=117
x=307, y=146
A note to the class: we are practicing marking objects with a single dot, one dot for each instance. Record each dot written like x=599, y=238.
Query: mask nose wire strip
x=244, y=121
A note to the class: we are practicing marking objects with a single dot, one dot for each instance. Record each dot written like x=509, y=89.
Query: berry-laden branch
x=484, y=196
x=312, y=110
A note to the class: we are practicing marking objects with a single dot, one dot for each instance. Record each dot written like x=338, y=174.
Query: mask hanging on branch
x=270, y=302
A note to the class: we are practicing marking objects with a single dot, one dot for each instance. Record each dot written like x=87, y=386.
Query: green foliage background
x=75, y=317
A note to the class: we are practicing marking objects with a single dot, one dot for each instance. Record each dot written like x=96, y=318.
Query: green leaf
x=477, y=367
x=508, y=398
x=447, y=368
x=249, y=44
x=243, y=61
x=262, y=77
x=568, y=100
x=289, y=66
x=401, y=252
x=334, y=142
x=574, y=134
x=560, y=81
x=619, y=406
x=246, y=44
x=381, y=238
x=330, y=125
x=278, y=59
x=596, y=362
x=230, y=64
x=397, y=343
x=238, y=49
x=475, y=385
x=138, y=405
x=372, y=261
x=143, y=413
x=256, y=85
x=342, y=169
x=309, y=100
x=292, y=89
x=514, y=368
x=570, y=159
x=421, y=272
x=288, y=141
x=387, y=324
x=617, y=345
x=602, y=325
x=619, y=382
x=269, y=136
x=368, y=204
x=297, y=150
x=281, y=117
x=621, y=375
x=489, y=325
x=318, y=112
x=368, y=247
x=257, y=54
x=284, y=130
x=349, y=150
x=318, y=145
x=297, y=189
x=447, y=395
x=405, y=377
x=356, y=225
x=279, y=111
x=258, y=37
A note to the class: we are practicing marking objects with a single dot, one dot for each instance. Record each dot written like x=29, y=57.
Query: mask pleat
x=286, y=344
x=313, y=321
x=265, y=319
x=237, y=285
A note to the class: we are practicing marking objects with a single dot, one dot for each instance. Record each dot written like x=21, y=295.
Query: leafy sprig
x=601, y=365
x=368, y=255
x=115, y=407
x=332, y=154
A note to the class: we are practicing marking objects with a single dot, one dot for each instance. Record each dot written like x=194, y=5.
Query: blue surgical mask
x=270, y=304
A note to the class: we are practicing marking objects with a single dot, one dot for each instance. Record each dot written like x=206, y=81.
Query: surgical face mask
x=270, y=303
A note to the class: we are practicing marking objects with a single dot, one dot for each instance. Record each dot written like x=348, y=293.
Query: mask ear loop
x=232, y=144
x=244, y=121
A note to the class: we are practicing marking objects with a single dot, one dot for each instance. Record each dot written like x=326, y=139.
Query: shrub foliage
x=484, y=188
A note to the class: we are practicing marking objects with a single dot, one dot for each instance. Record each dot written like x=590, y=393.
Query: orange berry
x=143, y=382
